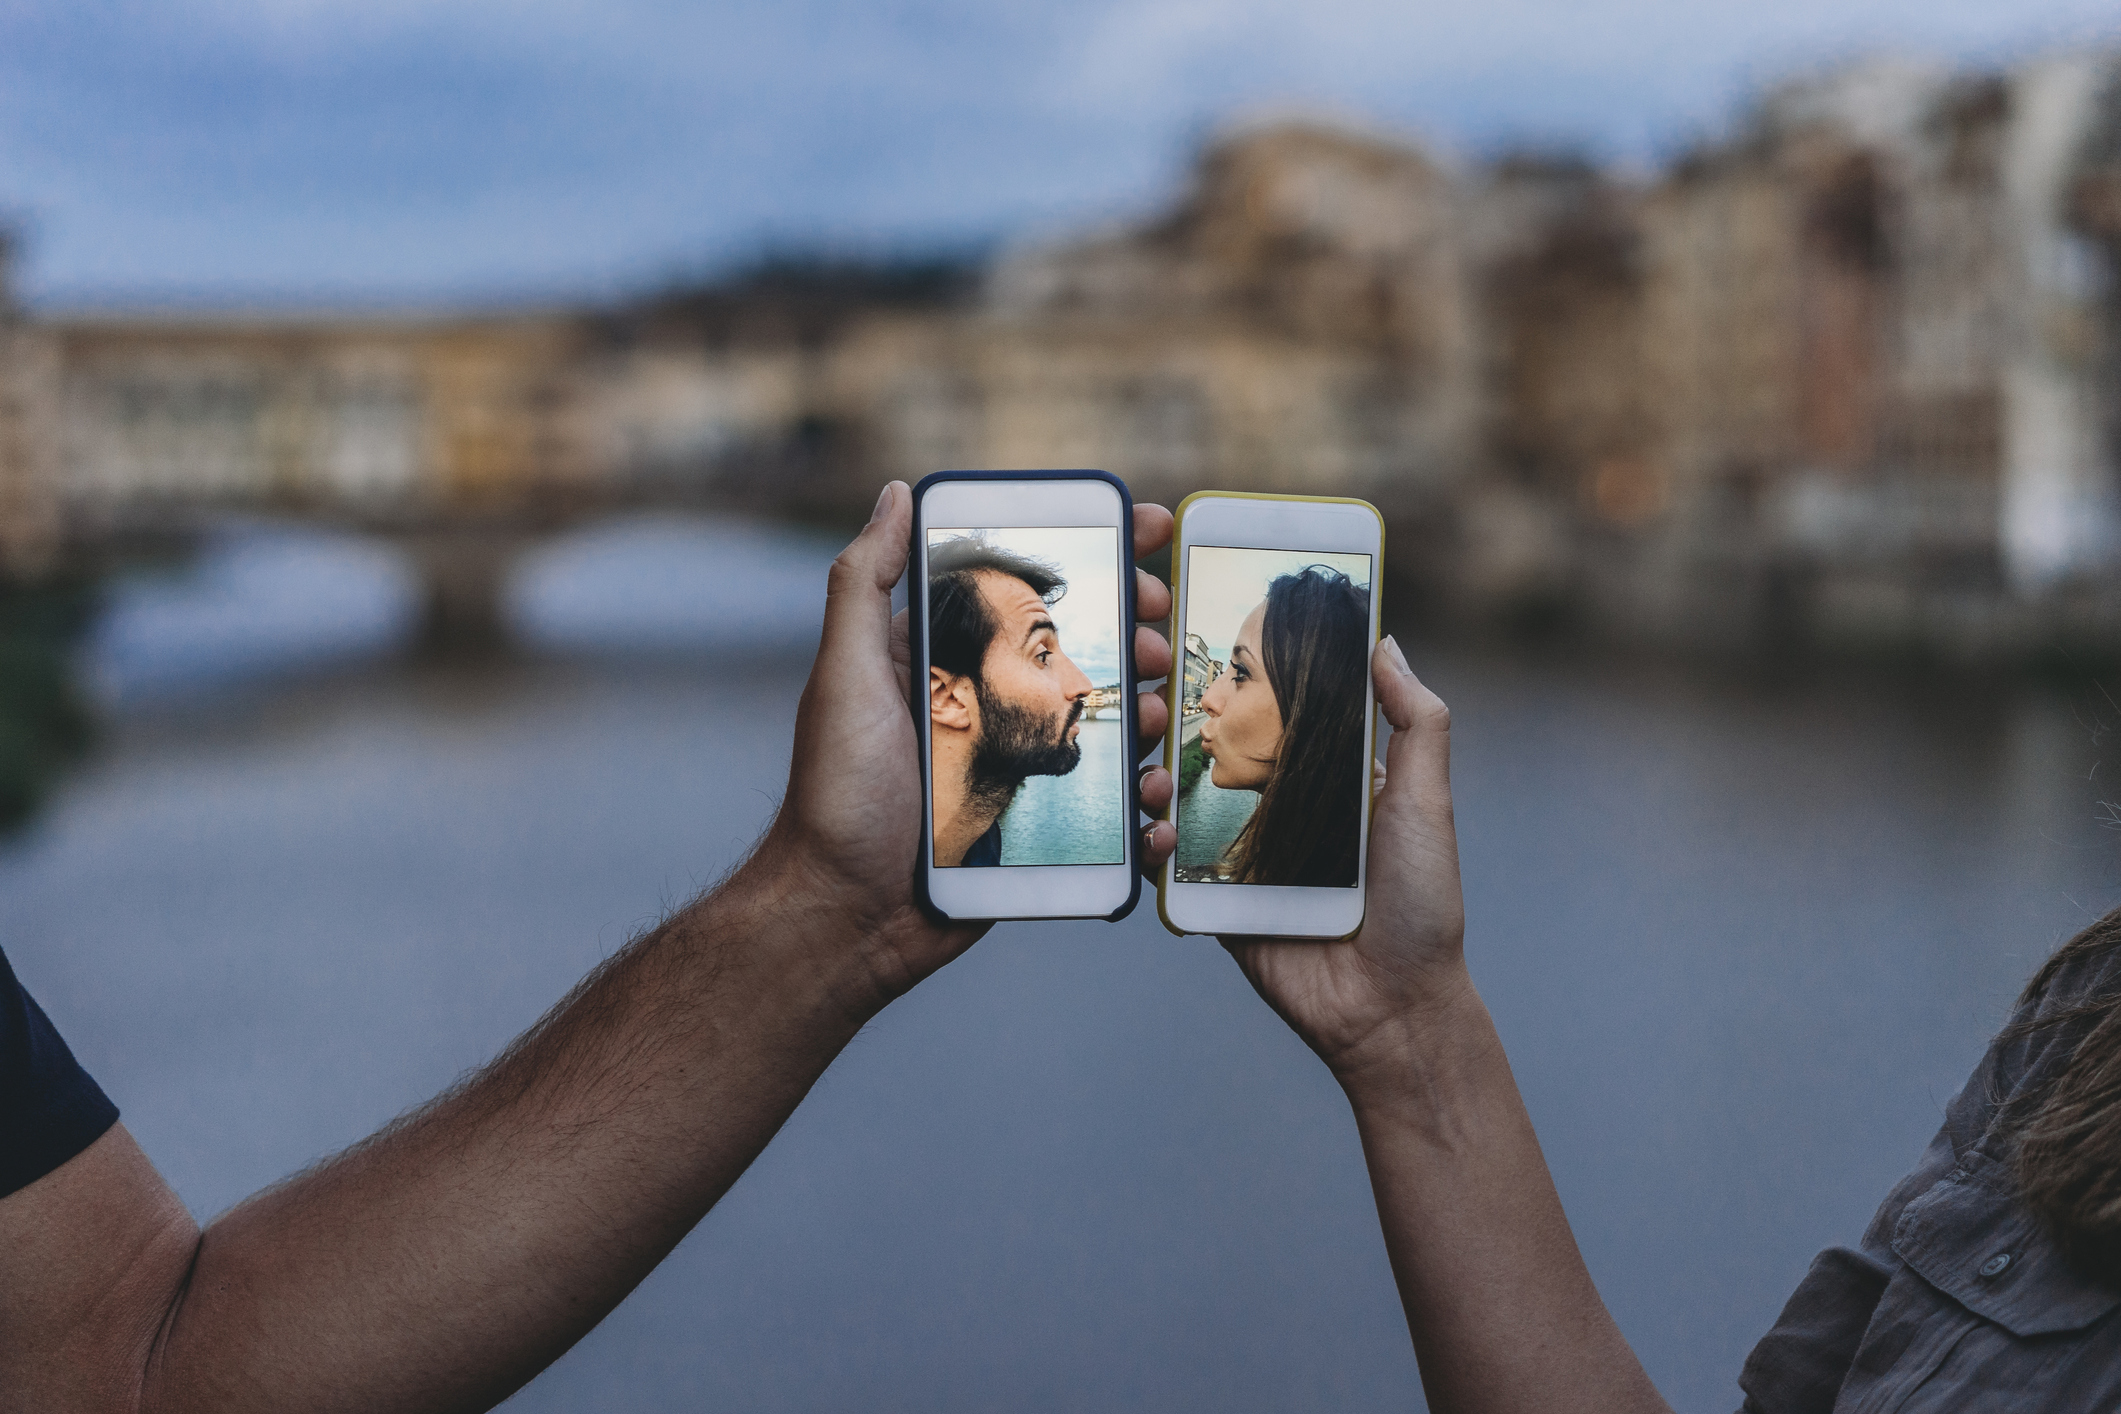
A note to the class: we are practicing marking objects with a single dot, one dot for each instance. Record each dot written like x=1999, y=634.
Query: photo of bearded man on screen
x=1005, y=703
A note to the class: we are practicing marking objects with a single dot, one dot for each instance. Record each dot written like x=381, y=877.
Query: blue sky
x=387, y=150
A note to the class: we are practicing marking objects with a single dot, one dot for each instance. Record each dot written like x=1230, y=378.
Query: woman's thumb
x=1419, y=755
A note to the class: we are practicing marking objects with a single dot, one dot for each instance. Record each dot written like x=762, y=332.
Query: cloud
x=388, y=146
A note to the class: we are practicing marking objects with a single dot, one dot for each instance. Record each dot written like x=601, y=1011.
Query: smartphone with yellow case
x=1273, y=714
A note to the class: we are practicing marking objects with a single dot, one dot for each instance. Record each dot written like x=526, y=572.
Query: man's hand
x=1152, y=659
x=851, y=821
x=440, y=1264
x=1354, y=1000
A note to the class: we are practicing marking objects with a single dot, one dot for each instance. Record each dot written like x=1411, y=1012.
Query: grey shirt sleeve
x=1801, y=1364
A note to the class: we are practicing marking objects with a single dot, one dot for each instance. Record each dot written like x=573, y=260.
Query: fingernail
x=1399, y=659
x=881, y=502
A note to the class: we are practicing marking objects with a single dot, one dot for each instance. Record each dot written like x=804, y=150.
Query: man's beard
x=1014, y=743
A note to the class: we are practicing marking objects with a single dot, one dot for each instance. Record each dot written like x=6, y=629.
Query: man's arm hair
x=442, y=1263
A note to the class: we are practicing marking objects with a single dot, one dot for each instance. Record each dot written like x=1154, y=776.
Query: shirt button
x=1994, y=1266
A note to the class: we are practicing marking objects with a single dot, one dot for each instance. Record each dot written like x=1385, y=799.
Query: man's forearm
x=1502, y=1310
x=444, y=1262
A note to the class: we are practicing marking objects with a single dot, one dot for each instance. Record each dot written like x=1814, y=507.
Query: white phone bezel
x=1025, y=890
x=1270, y=523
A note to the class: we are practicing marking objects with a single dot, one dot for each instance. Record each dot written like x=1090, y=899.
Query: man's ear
x=951, y=701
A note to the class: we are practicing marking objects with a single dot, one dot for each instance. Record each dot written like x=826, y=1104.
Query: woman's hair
x=1314, y=643
x=2067, y=1125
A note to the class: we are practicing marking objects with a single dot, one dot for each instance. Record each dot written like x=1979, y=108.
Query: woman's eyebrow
x=1240, y=648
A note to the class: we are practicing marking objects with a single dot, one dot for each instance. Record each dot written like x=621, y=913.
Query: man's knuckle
x=845, y=570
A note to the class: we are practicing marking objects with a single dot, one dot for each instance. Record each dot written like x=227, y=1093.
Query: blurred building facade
x=352, y=415
x=1849, y=375
x=1879, y=341
x=1300, y=320
x=30, y=512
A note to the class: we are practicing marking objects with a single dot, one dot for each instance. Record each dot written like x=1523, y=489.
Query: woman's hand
x=1354, y=1001
x=1502, y=1311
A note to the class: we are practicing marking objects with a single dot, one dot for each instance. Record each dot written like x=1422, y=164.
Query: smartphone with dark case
x=1020, y=605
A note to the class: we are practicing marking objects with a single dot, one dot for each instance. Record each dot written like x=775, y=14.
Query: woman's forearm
x=1502, y=1310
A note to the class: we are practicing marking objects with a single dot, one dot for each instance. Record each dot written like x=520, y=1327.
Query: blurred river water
x=1743, y=940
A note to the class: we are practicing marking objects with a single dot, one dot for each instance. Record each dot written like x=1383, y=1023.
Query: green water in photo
x=1079, y=818
x=1208, y=820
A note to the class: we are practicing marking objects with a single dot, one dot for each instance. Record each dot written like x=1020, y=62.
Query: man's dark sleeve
x=986, y=851
x=49, y=1108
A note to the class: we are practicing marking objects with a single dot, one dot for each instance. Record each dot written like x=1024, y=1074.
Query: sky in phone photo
x=1087, y=616
x=1225, y=584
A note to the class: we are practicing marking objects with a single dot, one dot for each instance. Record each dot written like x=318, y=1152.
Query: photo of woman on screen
x=1283, y=720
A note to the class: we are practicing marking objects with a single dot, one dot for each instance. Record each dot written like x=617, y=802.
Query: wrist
x=1421, y=1054
x=817, y=952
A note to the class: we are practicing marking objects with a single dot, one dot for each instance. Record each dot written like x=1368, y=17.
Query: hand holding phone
x=848, y=836
x=1356, y=1003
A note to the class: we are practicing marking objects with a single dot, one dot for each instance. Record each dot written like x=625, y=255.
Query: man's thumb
x=881, y=547
x=858, y=591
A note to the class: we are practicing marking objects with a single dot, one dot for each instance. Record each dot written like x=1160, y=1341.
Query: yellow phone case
x=1175, y=683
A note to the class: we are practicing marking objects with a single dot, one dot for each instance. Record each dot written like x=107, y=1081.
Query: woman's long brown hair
x=1314, y=642
x=2067, y=1125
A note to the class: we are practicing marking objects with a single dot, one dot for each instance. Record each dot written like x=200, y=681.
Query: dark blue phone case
x=917, y=628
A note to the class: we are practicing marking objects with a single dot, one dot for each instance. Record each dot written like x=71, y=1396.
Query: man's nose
x=1078, y=684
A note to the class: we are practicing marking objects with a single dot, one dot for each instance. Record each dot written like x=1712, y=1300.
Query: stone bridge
x=462, y=440
x=1102, y=699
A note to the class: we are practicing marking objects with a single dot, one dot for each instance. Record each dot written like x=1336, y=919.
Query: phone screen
x=1025, y=696
x=1274, y=717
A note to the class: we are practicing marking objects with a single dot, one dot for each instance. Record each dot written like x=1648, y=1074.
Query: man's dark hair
x=959, y=626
